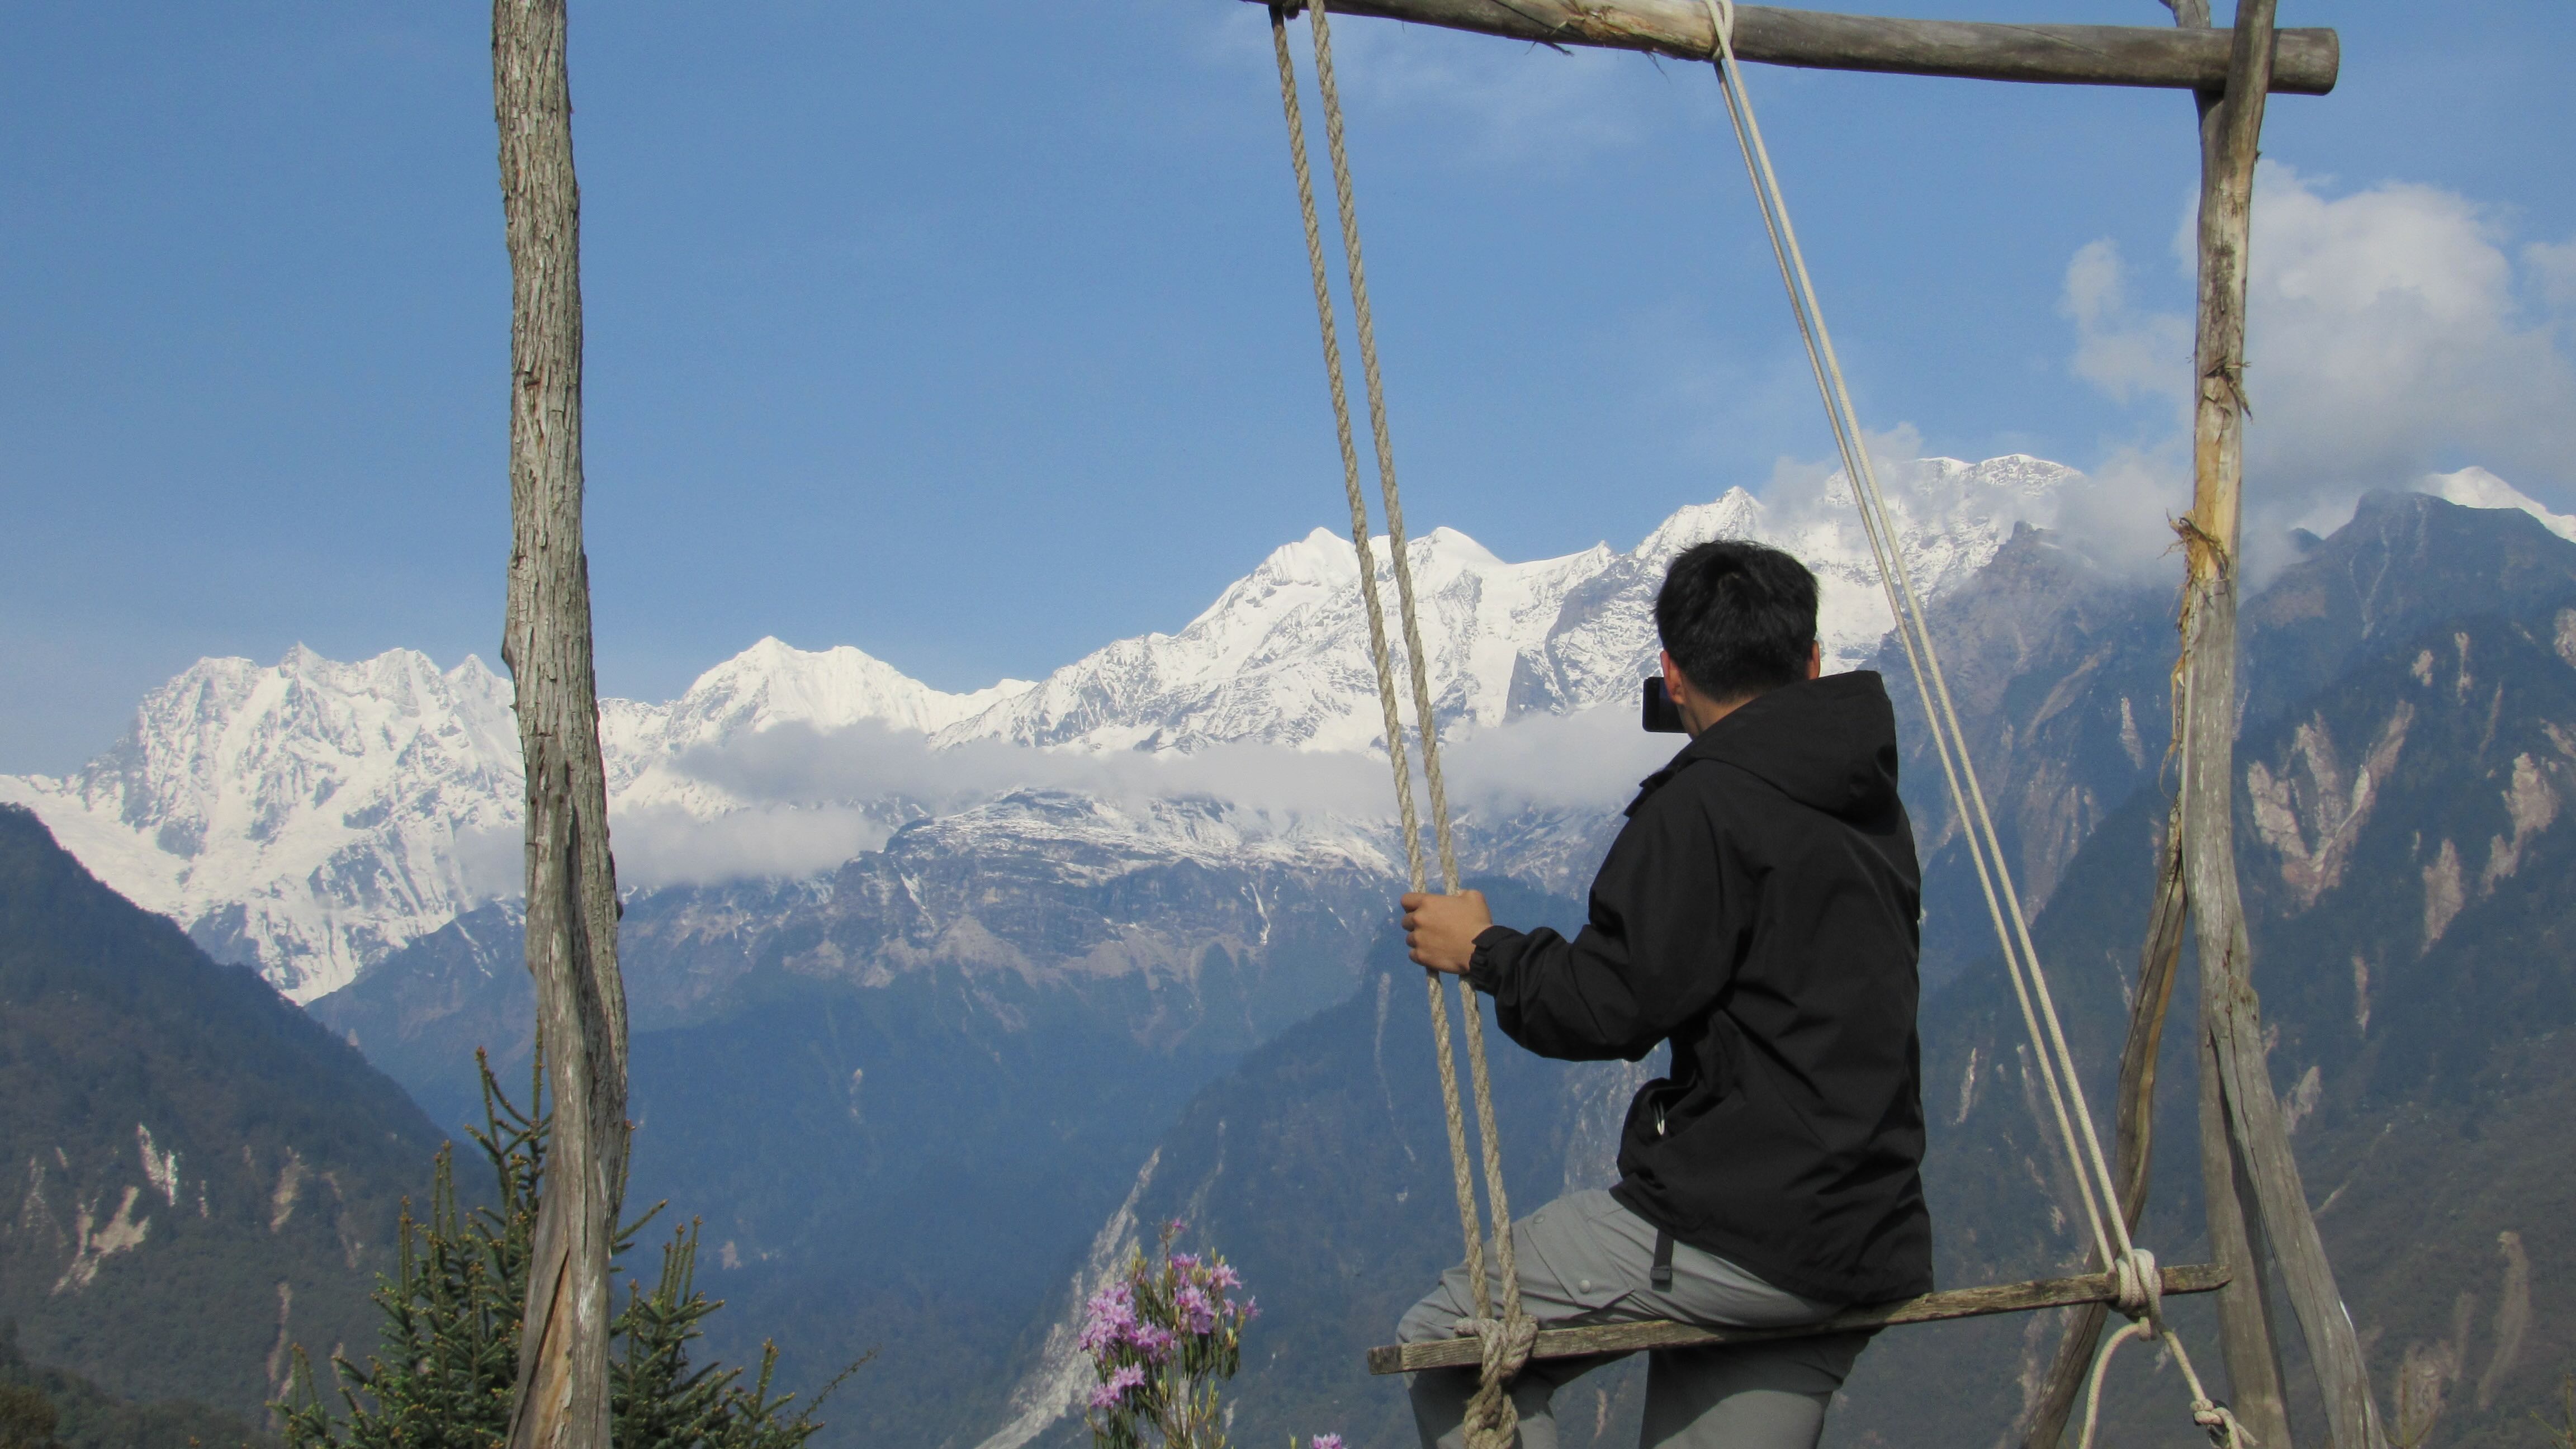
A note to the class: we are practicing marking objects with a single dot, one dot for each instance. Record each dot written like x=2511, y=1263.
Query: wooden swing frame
x=2251, y=1178
x=2254, y=1193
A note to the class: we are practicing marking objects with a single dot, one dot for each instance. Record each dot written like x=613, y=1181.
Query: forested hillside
x=201, y=1172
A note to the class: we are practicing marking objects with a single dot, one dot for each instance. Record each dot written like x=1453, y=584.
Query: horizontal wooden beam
x=2305, y=62
x=1930, y=1308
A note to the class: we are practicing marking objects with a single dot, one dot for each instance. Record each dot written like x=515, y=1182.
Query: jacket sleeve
x=1660, y=945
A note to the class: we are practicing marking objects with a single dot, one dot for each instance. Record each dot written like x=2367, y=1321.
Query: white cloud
x=663, y=846
x=2554, y=266
x=2120, y=515
x=2388, y=335
x=815, y=798
x=2122, y=518
x=1516, y=103
x=1557, y=762
x=2122, y=352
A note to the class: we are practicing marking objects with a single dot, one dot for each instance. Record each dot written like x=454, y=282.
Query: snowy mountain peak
x=1736, y=515
x=767, y=685
x=771, y=683
x=2478, y=488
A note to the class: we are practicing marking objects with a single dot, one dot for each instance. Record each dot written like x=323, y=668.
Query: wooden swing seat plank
x=1930, y=1308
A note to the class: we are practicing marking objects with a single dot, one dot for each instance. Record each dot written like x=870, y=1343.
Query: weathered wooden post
x=2245, y=1147
x=2250, y=1179
x=562, y=1400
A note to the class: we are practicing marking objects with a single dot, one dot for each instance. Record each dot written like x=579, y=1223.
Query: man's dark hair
x=1739, y=618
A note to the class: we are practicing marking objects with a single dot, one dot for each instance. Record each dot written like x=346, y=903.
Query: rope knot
x=1721, y=23
x=2219, y=1423
x=1503, y=1346
x=2141, y=1292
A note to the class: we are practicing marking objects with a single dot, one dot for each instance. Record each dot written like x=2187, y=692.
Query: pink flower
x=1184, y=1262
x=1111, y=1318
x=1116, y=1386
x=1192, y=1304
x=1326, y=1441
x=1153, y=1341
x=1224, y=1276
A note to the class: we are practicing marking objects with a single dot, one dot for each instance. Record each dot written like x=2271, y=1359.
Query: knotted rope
x=2214, y=1418
x=2140, y=1287
x=1504, y=1339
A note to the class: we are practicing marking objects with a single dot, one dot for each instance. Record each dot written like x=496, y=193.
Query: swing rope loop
x=1504, y=1340
x=2214, y=1418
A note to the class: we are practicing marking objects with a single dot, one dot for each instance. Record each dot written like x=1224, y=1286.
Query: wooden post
x=2105, y=55
x=2245, y=1329
x=2248, y=1134
x=562, y=1397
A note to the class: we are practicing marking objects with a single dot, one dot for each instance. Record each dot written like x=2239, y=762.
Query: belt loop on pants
x=1662, y=1277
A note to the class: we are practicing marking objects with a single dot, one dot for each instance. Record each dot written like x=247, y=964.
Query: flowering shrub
x=1160, y=1340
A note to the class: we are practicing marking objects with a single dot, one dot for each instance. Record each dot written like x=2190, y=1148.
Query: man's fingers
x=1412, y=900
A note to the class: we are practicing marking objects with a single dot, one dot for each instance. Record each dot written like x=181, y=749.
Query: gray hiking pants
x=1585, y=1259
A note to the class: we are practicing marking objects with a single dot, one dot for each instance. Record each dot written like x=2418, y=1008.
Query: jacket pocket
x=1651, y=1114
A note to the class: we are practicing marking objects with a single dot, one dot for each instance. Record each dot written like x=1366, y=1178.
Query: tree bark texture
x=2108, y=55
x=562, y=1397
x=2231, y=1017
x=2158, y=962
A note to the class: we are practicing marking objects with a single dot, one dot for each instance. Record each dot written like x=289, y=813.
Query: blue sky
x=978, y=334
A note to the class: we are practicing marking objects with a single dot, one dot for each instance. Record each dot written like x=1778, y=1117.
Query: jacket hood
x=1829, y=744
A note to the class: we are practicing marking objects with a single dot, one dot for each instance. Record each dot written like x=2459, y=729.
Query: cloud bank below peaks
x=804, y=800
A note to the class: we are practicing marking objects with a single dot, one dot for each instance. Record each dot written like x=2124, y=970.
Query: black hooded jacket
x=1759, y=911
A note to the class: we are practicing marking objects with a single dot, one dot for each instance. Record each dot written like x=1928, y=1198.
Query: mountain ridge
x=311, y=817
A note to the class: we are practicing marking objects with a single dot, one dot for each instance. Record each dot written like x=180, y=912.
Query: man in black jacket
x=1758, y=914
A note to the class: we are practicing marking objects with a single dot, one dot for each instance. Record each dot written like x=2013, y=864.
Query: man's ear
x=1816, y=660
x=1676, y=683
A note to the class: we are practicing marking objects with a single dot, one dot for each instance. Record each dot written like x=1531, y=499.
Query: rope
x=2214, y=1418
x=1504, y=1340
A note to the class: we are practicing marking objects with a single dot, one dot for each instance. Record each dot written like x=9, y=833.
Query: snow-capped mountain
x=309, y=815
x=1282, y=655
x=767, y=685
x=312, y=816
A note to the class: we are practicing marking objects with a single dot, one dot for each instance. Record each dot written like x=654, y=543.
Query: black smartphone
x=1662, y=716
